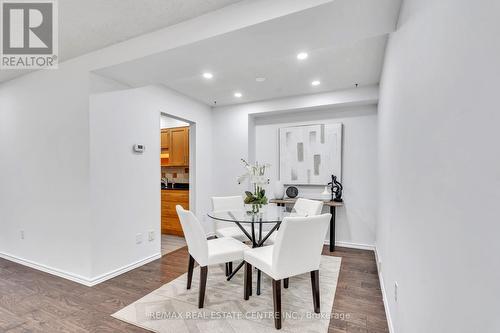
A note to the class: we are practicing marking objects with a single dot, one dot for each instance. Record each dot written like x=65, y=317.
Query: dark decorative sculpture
x=336, y=188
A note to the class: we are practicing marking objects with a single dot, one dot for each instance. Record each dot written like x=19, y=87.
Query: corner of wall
x=382, y=289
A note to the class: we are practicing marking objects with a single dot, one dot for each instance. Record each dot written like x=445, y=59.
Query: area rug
x=173, y=308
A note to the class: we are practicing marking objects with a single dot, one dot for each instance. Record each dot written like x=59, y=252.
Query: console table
x=332, y=204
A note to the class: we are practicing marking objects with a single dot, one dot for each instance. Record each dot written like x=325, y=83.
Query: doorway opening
x=175, y=163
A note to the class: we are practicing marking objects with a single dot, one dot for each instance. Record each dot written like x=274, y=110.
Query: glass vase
x=254, y=208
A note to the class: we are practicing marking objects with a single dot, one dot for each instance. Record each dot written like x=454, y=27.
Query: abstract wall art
x=310, y=154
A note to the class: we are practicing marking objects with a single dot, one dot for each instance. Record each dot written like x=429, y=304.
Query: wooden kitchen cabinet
x=165, y=138
x=170, y=223
x=179, y=146
x=175, y=145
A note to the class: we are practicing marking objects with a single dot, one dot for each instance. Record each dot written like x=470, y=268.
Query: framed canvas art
x=310, y=154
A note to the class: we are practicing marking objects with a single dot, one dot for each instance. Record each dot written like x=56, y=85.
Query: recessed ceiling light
x=315, y=83
x=237, y=94
x=260, y=79
x=302, y=55
x=208, y=75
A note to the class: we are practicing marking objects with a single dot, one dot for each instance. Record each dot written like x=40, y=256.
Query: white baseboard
x=384, y=295
x=54, y=271
x=352, y=245
x=89, y=282
x=124, y=269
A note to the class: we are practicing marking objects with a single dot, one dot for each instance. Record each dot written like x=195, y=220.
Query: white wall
x=356, y=221
x=100, y=84
x=44, y=146
x=440, y=167
x=125, y=186
x=124, y=191
x=235, y=131
x=44, y=172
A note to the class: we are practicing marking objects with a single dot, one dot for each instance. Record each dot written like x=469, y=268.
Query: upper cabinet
x=165, y=138
x=175, y=146
x=179, y=146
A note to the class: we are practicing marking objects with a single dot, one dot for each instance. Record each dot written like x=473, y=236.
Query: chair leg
x=315, y=289
x=190, y=271
x=285, y=283
x=230, y=267
x=277, y=303
x=227, y=269
x=203, y=285
x=247, y=283
x=258, y=281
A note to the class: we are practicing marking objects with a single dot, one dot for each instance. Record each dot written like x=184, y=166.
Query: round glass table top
x=267, y=214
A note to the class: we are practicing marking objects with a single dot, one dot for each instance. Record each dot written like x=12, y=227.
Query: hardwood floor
x=170, y=243
x=33, y=301
x=358, y=296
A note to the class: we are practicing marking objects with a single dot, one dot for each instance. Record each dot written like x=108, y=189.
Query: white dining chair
x=307, y=207
x=206, y=252
x=302, y=207
x=297, y=250
x=228, y=229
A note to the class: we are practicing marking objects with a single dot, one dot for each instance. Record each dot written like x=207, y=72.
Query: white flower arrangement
x=256, y=174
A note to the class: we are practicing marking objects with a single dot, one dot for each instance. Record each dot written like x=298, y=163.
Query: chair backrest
x=223, y=204
x=298, y=245
x=307, y=207
x=195, y=235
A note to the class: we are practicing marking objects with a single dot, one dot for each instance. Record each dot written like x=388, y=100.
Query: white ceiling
x=88, y=25
x=345, y=40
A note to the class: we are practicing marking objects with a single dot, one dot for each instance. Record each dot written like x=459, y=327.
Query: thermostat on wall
x=139, y=148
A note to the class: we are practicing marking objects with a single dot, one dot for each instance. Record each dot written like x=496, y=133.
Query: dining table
x=259, y=227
